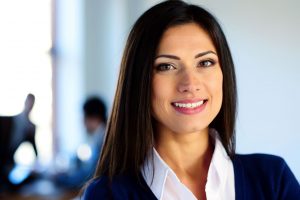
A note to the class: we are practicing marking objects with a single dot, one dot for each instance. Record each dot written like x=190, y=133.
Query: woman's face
x=187, y=81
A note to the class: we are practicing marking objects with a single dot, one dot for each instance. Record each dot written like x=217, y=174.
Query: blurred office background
x=66, y=50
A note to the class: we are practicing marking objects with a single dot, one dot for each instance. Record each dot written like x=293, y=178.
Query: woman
x=171, y=131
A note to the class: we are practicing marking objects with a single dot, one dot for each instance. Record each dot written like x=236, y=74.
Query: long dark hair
x=130, y=133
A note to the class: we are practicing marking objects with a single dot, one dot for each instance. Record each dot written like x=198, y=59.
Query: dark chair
x=6, y=124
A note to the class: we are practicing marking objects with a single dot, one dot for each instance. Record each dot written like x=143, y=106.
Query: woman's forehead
x=188, y=36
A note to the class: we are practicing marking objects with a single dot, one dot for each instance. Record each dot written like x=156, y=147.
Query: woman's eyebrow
x=168, y=56
x=204, y=53
x=177, y=58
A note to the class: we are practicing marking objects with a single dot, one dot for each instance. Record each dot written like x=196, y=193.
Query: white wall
x=105, y=24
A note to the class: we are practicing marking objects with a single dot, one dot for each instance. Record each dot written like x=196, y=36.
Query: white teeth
x=189, y=105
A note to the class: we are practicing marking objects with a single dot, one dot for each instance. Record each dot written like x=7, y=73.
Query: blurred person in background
x=14, y=131
x=87, y=154
x=95, y=123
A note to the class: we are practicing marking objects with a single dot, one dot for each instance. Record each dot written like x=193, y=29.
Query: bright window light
x=25, y=65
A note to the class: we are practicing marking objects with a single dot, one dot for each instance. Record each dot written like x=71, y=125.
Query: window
x=25, y=66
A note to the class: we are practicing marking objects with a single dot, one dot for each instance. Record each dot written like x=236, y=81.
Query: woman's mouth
x=190, y=106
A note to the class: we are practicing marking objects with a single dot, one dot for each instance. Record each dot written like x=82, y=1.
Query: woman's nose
x=189, y=82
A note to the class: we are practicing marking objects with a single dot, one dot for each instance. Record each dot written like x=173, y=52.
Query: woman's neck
x=188, y=155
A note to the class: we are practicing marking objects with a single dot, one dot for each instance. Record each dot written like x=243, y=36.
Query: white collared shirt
x=165, y=185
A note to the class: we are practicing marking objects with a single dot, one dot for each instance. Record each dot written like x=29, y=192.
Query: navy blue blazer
x=257, y=176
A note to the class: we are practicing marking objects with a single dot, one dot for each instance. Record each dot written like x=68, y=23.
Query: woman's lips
x=190, y=107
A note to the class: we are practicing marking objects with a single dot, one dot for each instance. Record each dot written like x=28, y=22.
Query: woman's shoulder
x=96, y=188
x=265, y=173
x=119, y=187
x=259, y=159
x=261, y=165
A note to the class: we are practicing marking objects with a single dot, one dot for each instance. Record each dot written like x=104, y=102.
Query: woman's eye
x=206, y=63
x=165, y=67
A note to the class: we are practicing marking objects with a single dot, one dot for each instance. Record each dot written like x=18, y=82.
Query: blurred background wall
x=88, y=38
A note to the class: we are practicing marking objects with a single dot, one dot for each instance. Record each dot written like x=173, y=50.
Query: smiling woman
x=171, y=132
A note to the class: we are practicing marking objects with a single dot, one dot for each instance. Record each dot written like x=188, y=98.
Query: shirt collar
x=219, y=167
x=155, y=171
